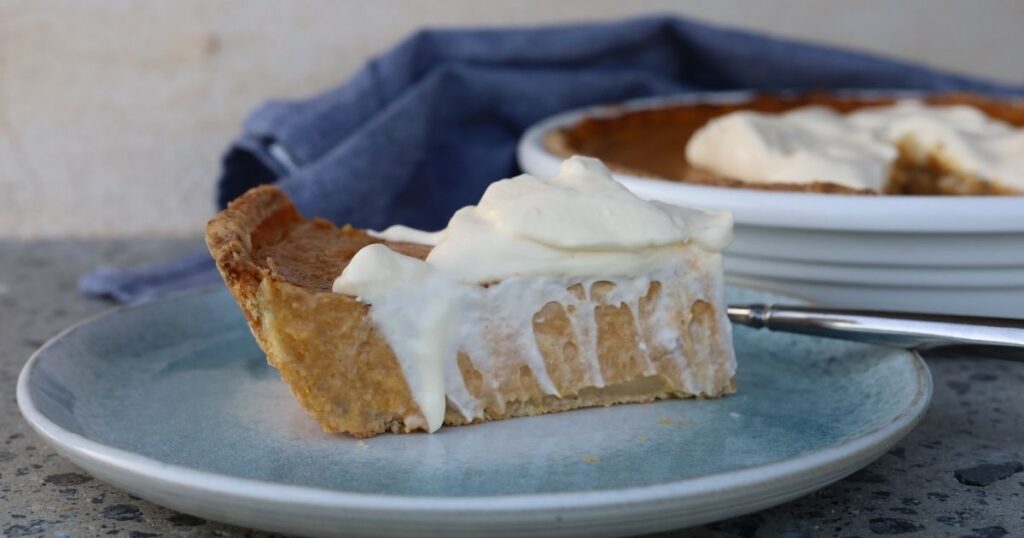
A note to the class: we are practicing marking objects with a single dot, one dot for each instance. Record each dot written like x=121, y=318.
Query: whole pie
x=940, y=145
x=354, y=321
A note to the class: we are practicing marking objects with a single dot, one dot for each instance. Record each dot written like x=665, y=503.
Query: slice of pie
x=547, y=296
x=941, y=145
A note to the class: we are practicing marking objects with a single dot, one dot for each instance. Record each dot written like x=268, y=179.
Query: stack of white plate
x=944, y=254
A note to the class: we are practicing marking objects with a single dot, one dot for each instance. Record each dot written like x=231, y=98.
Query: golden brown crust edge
x=229, y=237
x=275, y=309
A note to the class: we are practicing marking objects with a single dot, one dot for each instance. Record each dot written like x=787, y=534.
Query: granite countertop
x=955, y=475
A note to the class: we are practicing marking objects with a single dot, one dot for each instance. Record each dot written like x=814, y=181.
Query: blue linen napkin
x=422, y=130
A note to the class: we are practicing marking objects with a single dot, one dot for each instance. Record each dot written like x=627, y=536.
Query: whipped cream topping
x=856, y=150
x=534, y=238
x=580, y=223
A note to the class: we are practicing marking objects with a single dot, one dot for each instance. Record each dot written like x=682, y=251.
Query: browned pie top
x=261, y=234
x=652, y=142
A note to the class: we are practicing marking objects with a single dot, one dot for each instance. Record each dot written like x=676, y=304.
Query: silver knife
x=1001, y=338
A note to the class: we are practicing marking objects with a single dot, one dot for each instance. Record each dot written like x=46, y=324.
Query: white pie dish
x=930, y=253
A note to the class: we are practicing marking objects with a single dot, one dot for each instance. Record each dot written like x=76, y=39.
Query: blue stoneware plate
x=174, y=402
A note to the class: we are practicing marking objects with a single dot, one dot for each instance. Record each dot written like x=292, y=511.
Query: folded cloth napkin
x=421, y=131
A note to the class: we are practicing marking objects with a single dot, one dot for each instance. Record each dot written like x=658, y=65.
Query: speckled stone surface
x=958, y=474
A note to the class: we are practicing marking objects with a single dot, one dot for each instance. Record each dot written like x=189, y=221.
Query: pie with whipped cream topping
x=548, y=295
x=940, y=145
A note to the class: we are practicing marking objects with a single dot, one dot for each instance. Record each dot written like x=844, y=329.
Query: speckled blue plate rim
x=79, y=448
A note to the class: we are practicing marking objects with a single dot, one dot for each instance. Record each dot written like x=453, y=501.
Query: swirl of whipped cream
x=856, y=150
x=579, y=223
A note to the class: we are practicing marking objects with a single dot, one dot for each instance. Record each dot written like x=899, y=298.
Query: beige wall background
x=113, y=114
